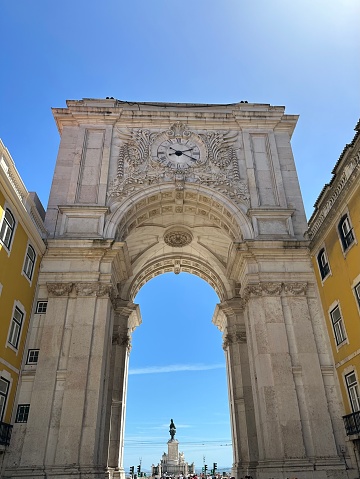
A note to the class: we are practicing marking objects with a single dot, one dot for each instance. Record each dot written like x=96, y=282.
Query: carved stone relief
x=235, y=337
x=59, y=289
x=274, y=289
x=177, y=238
x=138, y=165
x=81, y=289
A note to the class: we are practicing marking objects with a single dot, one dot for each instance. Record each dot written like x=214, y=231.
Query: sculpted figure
x=172, y=429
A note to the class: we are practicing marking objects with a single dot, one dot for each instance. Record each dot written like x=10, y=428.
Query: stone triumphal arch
x=141, y=189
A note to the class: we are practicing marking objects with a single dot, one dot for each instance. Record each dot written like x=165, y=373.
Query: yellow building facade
x=21, y=250
x=334, y=231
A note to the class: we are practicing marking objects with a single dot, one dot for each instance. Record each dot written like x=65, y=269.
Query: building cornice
x=14, y=188
x=346, y=174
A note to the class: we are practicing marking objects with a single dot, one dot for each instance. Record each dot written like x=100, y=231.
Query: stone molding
x=81, y=289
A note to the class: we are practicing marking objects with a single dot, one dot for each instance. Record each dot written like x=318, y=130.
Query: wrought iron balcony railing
x=5, y=433
x=352, y=423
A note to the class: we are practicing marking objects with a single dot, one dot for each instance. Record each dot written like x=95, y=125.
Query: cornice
x=14, y=189
x=109, y=111
x=332, y=196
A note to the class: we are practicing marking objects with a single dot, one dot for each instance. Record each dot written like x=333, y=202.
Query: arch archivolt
x=188, y=200
x=179, y=264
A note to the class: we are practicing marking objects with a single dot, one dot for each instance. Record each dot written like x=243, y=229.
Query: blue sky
x=302, y=54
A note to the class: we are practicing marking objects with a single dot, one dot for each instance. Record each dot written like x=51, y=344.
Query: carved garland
x=274, y=289
x=81, y=289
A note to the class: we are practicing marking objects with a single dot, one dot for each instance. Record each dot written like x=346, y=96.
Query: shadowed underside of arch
x=169, y=230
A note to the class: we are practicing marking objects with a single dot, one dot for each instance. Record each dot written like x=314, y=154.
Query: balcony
x=5, y=433
x=352, y=423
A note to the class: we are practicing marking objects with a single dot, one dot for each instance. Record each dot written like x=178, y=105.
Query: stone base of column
x=65, y=472
x=117, y=473
x=330, y=468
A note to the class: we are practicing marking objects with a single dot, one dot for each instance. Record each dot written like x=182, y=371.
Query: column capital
x=235, y=336
x=121, y=337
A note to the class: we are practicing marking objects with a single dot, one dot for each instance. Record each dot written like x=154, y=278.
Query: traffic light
x=138, y=470
x=205, y=468
x=215, y=467
x=132, y=470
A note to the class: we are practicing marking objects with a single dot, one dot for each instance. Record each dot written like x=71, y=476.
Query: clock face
x=179, y=153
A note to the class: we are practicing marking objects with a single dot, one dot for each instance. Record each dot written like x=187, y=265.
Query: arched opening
x=177, y=370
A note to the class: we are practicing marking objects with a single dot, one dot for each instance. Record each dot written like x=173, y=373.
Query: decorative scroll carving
x=105, y=290
x=295, y=289
x=59, y=289
x=219, y=146
x=136, y=166
x=177, y=239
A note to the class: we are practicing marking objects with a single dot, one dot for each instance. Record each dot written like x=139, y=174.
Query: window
x=15, y=327
x=22, y=413
x=4, y=389
x=323, y=263
x=353, y=391
x=29, y=262
x=346, y=232
x=32, y=357
x=41, y=307
x=357, y=293
x=338, y=325
x=7, y=229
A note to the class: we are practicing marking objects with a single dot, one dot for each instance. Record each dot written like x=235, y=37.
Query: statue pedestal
x=173, y=452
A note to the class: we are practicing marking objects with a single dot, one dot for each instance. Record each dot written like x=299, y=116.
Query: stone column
x=229, y=317
x=127, y=318
x=295, y=431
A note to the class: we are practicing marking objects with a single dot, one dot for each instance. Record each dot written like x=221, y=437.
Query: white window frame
x=5, y=396
x=345, y=219
x=8, y=207
x=18, y=412
x=340, y=321
x=353, y=391
x=357, y=294
x=28, y=261
x=29, y=354
x=17, y=307
x=322, y=250
x=38, y=306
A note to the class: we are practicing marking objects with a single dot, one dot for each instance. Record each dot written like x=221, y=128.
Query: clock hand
x=181, y=151
x=194, y=159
